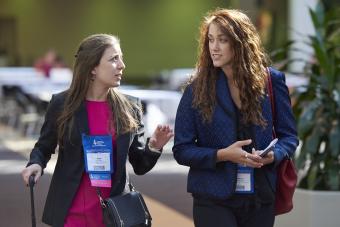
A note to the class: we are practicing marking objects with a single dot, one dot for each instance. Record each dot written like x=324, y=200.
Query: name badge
x=100, y=179
x=98, y=153
x=245, y=180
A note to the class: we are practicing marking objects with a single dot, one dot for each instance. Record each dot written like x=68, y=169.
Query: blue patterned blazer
x=196, y=143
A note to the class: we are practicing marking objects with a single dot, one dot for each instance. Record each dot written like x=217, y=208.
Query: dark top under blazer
x=70, y=164
x=196, y=143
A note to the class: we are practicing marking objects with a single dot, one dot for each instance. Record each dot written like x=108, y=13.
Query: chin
x=216, y=64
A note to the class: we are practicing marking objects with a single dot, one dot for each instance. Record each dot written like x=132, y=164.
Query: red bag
x=285, y=186
x=286, y=171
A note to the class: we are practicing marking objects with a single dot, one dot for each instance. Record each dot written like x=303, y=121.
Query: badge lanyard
x=245, y=180
x=98, y=159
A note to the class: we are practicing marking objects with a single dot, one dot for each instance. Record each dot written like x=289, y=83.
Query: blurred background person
x=50, y=60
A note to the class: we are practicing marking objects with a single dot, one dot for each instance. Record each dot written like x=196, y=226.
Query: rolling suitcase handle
x=31, y=184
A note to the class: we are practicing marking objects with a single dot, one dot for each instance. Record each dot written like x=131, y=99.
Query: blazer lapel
x=122, y=142
x=264, y=135
x=81, y=119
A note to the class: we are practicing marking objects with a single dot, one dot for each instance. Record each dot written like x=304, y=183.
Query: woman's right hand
x=33, y=169
x=236, y=154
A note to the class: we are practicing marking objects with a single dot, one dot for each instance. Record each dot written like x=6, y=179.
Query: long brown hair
x=90, y=51
x=248, y=65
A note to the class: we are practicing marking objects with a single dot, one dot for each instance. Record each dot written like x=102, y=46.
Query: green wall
x=155, y=34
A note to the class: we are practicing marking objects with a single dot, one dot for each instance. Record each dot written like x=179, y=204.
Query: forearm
x=195, y=157
x=143, y=161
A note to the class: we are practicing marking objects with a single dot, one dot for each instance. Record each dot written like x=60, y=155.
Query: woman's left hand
x=160, y=136
x=268, y=159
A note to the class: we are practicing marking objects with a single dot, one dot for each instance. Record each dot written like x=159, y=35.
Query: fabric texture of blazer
x=196, y=143
x=70, y=163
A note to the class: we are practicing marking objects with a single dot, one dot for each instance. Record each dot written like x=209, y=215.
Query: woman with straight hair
x=224, y=121
x=96, y=129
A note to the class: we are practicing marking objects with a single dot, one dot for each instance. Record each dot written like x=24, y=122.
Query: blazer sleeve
x=185, y=149
x=284, y=124
x=141, y=157
x=47, y=142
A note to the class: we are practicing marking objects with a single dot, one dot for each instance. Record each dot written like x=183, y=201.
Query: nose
x=121, y=64
x=215, y=45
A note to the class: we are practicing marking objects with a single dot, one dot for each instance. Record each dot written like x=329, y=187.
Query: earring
x=93, y=77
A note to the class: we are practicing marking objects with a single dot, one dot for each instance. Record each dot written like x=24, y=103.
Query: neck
x=96, y=94
x=228, y=71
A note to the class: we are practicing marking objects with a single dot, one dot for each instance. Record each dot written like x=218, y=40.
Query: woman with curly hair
x=224, y=121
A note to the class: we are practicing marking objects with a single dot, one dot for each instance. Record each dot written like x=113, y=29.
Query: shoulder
x=276, y=75
x=188, y=90
x=135, y=102
x=59, y=96
x=278, y=80
x=132, y=99
x=187, y=98
x=57, y=100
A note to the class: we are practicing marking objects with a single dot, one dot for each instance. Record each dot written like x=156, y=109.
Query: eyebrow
x=115, y=54
x=219, y=35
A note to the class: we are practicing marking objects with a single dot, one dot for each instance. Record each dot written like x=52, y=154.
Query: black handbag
x=125, y=210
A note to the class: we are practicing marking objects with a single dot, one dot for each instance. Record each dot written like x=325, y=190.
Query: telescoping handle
x=31, y=184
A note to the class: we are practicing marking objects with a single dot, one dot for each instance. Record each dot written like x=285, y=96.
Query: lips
x=215, y=56
x=119, y=75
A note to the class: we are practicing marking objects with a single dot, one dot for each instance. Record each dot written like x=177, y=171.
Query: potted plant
x=318, y=107
x=317, y=110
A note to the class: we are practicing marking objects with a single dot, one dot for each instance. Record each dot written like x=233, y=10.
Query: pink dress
x=85, y=209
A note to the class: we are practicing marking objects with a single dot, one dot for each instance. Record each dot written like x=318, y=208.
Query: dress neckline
x=94, y=101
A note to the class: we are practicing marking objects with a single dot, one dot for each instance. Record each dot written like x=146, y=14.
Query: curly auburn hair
x=248, y=65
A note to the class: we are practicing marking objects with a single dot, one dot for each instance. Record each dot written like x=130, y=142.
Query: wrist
x=153, y=148
x=221, y=155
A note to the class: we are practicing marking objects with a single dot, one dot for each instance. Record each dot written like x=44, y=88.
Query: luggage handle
x=31, y=183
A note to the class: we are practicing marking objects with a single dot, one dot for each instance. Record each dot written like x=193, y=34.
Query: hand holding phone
x=268, y=148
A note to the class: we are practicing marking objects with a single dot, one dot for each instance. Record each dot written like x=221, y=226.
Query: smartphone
x=268, y=148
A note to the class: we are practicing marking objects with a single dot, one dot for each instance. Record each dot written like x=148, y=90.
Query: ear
x=94, y=71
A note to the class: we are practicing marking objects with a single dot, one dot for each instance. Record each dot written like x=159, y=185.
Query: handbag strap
x=272, y=103
x=101, y=200
x=271, y=96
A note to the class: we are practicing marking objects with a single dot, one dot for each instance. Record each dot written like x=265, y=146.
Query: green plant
x=317, y=106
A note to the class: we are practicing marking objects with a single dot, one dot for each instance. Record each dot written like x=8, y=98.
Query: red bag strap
x=271, y=96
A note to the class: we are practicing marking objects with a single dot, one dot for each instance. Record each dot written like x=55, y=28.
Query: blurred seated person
x=50, y=60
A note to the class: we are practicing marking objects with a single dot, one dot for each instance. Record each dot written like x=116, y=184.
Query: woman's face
x=220, y=47
x=110, y=69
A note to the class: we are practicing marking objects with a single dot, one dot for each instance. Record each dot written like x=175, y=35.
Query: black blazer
x=70, y=164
